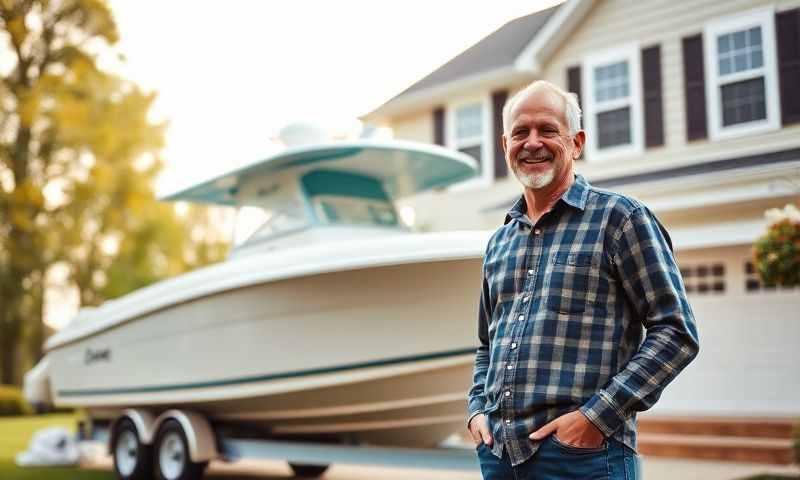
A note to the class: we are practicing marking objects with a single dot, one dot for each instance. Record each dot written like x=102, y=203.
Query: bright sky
x=230, y=74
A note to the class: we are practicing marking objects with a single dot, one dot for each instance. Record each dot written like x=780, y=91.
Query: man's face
x=538, y=146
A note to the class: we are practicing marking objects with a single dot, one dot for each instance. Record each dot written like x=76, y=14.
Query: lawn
x=16, y=432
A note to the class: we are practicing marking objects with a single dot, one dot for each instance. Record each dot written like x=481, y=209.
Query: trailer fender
x=144, y=422
x=199, y=434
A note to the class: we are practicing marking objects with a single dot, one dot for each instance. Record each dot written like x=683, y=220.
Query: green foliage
x=777, y=254
x=17, y=432
x=12, y=403
x=79, y=155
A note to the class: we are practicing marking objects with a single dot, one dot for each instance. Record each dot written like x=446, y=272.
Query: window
x=704, y=278
x=469, y=131
x=613, y=112
x=741, y=69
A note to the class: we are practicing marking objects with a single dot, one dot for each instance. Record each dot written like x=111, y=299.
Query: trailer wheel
x=133, y=460
x=309, y=471
x=172, y=454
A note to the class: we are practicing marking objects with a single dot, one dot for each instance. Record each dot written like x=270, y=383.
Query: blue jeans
x=557, y=461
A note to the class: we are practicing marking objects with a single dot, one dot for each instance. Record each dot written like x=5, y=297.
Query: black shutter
x=438, y=126
x=651, y=86
x=574, y=82
x=788, y=33
x=498, y=101
x=574, y=86
x=695, y=85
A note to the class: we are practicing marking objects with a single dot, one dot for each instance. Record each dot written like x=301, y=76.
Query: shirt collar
x=575, y=196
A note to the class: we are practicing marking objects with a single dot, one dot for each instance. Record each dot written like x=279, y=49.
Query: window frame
x=486, y=175
x=765, y=19
x=629, y=53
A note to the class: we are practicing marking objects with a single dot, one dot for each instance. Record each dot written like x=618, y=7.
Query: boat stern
x=36, y=386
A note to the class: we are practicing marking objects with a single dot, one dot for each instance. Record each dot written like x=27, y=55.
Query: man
x=571, y=283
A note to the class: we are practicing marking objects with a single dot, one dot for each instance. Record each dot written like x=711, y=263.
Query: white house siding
x=614, y=23
x=417, y=127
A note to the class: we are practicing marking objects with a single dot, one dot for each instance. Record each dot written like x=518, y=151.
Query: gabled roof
x=512, y=54
x=500, y=49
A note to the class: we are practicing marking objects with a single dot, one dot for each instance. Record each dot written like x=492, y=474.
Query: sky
x=230, y=74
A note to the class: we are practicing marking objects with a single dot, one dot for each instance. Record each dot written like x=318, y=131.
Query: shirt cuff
x=602, y=412
x=473, y=415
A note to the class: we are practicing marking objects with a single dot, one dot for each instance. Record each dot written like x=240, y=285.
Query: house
x=692, y=107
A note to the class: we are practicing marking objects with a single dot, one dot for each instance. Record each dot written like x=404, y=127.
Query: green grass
x=16, y=432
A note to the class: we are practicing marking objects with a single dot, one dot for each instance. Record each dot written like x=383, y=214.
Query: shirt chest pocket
x=572, y=282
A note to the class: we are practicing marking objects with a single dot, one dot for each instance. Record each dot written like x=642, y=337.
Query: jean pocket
x=577, y=450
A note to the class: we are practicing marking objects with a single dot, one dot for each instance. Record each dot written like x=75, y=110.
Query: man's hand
x=574, y=429
x=479, y=429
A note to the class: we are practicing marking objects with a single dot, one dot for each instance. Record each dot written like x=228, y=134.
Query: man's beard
x=531, y=180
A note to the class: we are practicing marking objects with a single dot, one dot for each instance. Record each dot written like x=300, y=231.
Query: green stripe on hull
x=263, y=378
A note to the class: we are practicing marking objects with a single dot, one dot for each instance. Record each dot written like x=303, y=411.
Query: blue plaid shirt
x=584, y=310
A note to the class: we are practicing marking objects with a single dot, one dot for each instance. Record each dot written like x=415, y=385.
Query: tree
x=78, y=156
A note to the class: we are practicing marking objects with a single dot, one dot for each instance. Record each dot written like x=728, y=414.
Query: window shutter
x=695, y=85
x=574, y=86
x=653, y=109
x=498, y=101
x=438, y=126
x=574, y=82
x=788, y=33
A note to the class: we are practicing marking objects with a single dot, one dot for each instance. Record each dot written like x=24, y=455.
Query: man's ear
x=504, y=144
x=578, y=141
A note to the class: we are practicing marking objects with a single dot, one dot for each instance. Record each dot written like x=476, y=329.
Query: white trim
x=557, y=28
x=486, y=177
x=764, y=18
x=424, y=99
x=628, y=53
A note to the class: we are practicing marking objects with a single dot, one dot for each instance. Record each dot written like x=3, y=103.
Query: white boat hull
x=378, y=355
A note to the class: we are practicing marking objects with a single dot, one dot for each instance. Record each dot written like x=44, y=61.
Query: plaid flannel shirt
x=584, y=310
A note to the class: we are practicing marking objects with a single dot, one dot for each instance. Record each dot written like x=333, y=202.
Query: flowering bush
x=777, y=253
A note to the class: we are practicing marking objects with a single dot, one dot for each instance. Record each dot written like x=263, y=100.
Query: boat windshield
x=286, y=219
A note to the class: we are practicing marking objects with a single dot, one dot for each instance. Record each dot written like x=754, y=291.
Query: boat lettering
x=93, y=356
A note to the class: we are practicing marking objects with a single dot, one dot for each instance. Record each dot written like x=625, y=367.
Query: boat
x=332, y=322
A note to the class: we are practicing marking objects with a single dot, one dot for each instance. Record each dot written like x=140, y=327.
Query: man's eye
x=518, y=133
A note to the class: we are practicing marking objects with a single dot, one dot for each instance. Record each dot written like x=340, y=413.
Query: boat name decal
x=93, y=356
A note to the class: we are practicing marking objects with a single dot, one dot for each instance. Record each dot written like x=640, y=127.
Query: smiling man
x=583, y=317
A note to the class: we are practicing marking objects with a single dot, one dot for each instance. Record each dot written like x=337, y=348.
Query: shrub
x=12, y=403
x=777, y=253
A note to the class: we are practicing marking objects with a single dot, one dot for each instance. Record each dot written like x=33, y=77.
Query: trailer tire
x=172, y=454
x=133, y=460
x=308, y=471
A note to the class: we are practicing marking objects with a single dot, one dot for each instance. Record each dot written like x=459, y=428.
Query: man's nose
x=533, y=141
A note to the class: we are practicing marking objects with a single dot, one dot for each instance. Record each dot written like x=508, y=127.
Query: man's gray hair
x=572, y=110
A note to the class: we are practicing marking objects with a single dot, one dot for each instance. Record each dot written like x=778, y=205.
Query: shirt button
x=521, y=317
x=508, y=421
x=530, y=272
x=513, y=345
x=525, y=298
x=537, y=231
x=510, y=367
x=508, y=393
